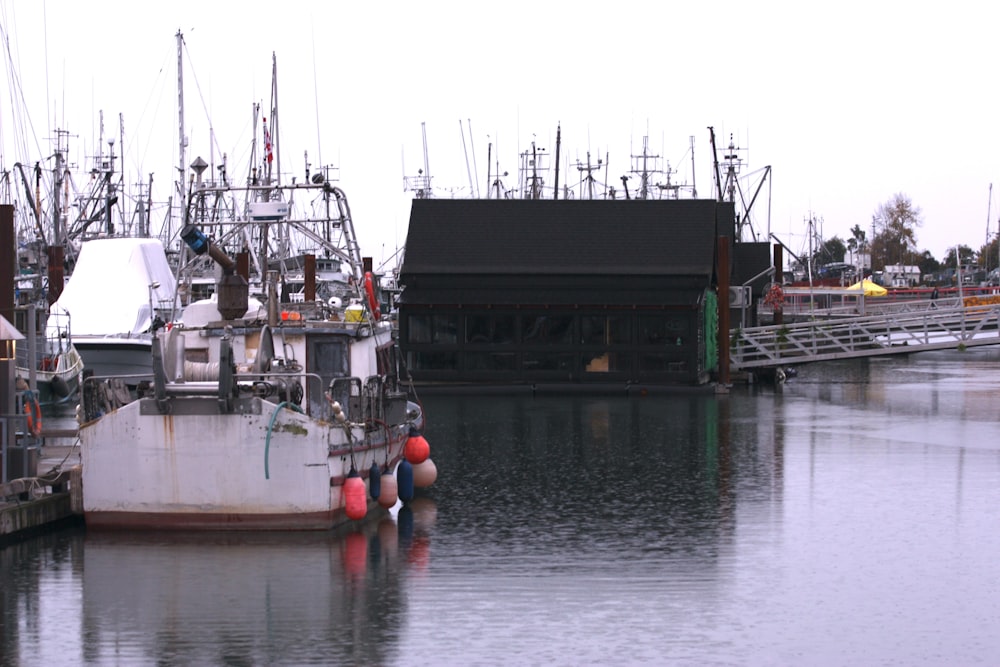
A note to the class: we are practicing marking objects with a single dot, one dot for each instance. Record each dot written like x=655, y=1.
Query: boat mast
x=427, y=164
x=555, y=191
x=182, y=141
x=694, y=190
x=274, y=122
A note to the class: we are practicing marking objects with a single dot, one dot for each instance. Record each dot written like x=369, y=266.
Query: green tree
x=832, y=250
x=965, y=253
x=894, y=240
x=928, y=264
x=858, y=241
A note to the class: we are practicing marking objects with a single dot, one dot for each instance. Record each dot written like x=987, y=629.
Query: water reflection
x=843, y=518
x=238, y=599
x=218, y=598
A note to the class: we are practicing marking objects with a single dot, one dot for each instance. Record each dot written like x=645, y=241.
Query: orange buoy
x=355, y=502
x=389, y=491
x=424, y=473
x=416, y=450
x=33, y=413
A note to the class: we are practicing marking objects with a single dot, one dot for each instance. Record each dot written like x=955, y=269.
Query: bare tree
x=894, y=224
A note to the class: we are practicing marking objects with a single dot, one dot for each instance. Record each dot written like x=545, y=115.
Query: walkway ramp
x=955, y=327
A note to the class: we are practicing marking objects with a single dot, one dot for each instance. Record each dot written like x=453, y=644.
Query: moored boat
x=289, y=414
x=118, y=289
x=251, y=424
x=52, y=363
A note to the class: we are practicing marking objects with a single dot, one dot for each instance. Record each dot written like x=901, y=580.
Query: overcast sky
x=849, y=103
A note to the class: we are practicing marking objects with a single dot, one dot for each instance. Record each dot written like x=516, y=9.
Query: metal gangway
x=956, y=324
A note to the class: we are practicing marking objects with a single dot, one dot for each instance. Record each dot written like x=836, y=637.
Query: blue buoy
x=374, y=481
x=404, y=480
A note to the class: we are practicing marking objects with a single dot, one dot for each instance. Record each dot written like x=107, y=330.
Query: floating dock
x=51, y=498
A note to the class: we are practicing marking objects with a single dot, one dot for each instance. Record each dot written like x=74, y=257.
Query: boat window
x=329, y=359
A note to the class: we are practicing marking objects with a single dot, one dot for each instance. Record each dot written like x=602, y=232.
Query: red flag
x=269, y=156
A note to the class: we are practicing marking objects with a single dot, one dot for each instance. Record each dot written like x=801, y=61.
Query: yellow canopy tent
x=871, y=289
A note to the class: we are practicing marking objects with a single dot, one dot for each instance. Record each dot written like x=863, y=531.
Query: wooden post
x=310, y=275
x=8, y=262
x=723, y=273
x=56, y=272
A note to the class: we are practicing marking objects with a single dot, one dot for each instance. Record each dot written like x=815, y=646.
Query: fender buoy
x=388, y=489
x=372, y=300
x=416, y=450
x=59, y=386
x=404, y=480
x=355, y=503
x=33, y=412
x=424, y=474
x=374, y=481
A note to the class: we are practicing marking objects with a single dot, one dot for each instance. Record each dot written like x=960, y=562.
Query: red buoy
x=416, y=450
x=355, y=502
x=424, y=473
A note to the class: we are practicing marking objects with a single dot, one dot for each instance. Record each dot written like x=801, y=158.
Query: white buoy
x=424, y=473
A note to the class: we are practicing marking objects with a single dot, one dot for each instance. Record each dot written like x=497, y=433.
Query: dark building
x=578, y=292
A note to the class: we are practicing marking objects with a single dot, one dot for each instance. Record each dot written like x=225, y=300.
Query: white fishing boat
x=53, y=362
x=118, y=289
x=256, y=418
x=289, y=416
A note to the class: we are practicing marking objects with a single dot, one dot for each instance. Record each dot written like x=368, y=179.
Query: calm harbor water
x=848, y=517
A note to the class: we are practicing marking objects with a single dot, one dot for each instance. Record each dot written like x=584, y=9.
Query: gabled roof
x=511, y=236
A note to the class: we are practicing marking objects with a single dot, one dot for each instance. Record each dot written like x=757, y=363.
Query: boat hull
x=261, y=466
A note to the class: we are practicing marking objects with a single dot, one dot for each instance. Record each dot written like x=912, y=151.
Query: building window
x=659, y=362
x=660, y=330
x=433, y=361
x=547, y=330
x=605, y=330
x=490, y=361
x=541, y=361
x=608, y=362
x=436, y=328
x=489, y=329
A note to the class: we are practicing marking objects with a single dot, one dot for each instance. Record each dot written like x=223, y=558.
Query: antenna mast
x=694, y=189
x=182, y=141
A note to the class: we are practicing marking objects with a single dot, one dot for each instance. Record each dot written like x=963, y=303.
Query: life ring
x=33, y=412
x=372, y=300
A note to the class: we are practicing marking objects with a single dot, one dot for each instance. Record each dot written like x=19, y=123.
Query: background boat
x=51, y=366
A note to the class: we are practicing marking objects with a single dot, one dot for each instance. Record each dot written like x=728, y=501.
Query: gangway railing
x=865, y=336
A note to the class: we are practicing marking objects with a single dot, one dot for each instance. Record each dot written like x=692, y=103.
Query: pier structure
x=900, y=328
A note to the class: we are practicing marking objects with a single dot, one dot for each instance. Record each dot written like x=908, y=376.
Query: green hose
x=270, y=427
